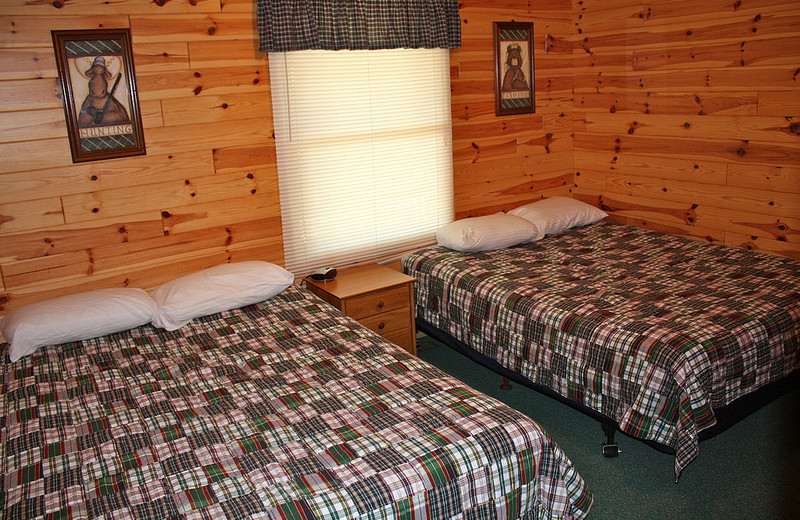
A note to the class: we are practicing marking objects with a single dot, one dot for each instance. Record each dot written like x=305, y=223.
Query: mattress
x=652, y=330
x=286, y=409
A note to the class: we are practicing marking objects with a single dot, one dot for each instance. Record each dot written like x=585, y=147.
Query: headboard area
x=141, y=251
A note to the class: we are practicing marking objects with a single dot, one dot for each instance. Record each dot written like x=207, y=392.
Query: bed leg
x=610, y=448
x=506, y=385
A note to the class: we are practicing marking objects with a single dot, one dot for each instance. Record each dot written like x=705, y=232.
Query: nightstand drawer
x=386, y=322
x=380, y=301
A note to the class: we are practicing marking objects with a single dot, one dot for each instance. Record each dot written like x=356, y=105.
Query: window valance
x=293, y=25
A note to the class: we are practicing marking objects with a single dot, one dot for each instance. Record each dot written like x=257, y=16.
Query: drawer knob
x=380, y=304
x=381, y=325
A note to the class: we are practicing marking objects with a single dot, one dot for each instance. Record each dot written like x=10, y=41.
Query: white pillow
x=557, y=214
x=75, y=317
x=485, y=233
x=217, y=289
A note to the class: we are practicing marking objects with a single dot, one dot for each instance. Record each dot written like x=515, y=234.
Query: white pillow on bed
x=217, y=289
x=75, y=317
x=486, y=233
x=557, y=214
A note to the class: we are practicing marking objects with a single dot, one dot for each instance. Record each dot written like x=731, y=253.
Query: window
x=364, y=148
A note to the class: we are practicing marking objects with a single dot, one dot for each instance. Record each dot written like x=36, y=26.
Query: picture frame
x=513, y=68
x=98, y=84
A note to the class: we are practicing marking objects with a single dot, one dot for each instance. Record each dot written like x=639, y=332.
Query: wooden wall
x=677, y=115
x=687, y=117
x=502, y=162
x=205, y=193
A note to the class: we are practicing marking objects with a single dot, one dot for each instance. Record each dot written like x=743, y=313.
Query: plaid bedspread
x=282, y=410
x=650, y=329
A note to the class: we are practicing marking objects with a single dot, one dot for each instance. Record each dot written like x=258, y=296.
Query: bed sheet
x=286, y=409
x=650, y=329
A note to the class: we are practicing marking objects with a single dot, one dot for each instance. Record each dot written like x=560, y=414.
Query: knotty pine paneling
x=678, y=115
x=502, y=162
x=686, y=117
x=205, y=193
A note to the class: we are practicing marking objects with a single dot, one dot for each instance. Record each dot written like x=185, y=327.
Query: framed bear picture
x=98, y=84
x=513, y=68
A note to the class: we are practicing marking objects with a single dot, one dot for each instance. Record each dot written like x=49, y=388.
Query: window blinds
x=364, y=149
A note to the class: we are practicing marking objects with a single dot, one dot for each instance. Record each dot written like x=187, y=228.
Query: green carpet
x=749, y=472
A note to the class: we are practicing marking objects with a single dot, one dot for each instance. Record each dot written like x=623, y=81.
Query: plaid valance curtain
x=293, y=25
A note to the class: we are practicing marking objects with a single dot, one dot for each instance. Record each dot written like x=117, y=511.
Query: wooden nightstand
x=378, y=297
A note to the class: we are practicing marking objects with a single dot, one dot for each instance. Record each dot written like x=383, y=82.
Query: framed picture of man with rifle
x=98, y=83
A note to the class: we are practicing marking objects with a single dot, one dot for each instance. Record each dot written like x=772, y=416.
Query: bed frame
x=726, y=416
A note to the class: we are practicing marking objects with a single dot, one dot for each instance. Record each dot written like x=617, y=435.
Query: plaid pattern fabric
x=652, y=330
x=334, y=25
x=282, y=410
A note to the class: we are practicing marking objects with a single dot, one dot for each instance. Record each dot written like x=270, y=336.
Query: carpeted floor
x=749, y=472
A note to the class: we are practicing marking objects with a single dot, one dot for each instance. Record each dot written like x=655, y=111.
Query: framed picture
x=513, y=68
x=99, y=88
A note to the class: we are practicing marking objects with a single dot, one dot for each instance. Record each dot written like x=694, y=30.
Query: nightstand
x=378, y=297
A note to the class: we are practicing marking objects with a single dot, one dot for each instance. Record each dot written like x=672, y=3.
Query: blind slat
x=364, y=149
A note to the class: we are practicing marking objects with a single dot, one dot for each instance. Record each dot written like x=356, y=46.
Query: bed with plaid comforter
x=286, y=409
x=652, y=330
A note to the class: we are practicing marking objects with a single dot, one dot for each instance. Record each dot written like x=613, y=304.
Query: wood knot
x=160, y=3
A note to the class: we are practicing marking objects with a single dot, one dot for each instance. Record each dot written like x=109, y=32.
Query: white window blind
x=364, y=149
